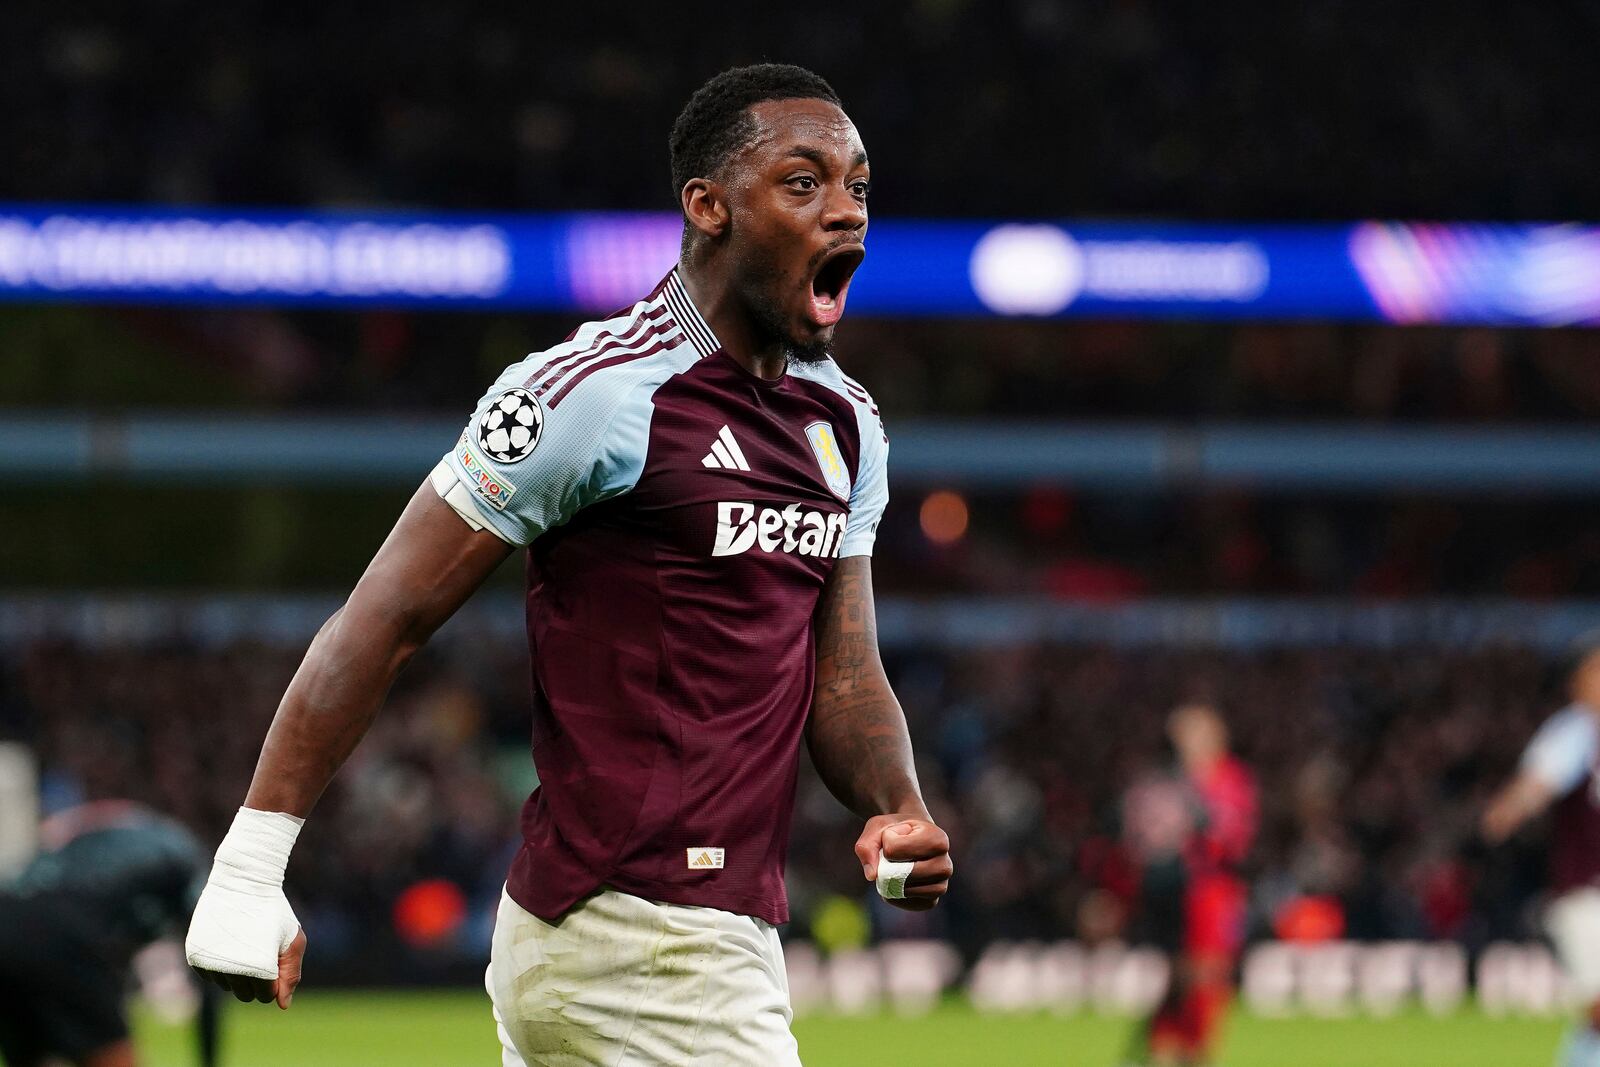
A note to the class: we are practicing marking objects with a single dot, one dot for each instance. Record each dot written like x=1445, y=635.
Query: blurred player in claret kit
x=111, y=877
x=1194, y=832
x=1561, y=768
x=698, y=487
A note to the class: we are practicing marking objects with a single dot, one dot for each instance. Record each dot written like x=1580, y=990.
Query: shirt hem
x=774, y=912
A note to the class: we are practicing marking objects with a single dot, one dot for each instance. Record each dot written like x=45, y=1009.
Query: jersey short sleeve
x=870, y=494
x=527, y=467
x=1563, y=750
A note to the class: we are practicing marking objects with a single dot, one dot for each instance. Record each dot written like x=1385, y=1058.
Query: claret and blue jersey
x=681, y=516
x=1565, y=755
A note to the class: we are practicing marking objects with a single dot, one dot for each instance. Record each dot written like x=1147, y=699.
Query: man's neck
x=719, y=304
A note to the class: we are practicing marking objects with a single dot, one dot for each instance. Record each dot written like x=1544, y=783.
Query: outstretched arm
x=243, y=936
x=430, y=564
x=1519, y=800
x=859, y=742
x=1559, y=757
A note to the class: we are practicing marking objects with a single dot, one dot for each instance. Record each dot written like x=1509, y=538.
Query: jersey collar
x=688, y=316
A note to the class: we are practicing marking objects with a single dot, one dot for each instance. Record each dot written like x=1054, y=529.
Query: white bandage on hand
x=243, y=922
x=892, y=875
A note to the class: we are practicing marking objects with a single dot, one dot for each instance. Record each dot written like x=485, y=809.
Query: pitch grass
x=453, y=1029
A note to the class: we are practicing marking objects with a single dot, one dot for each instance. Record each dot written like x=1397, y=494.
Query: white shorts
x=624, y=982
x=1573, y=923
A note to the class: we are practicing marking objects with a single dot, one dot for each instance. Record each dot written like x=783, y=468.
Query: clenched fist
x=913, y=839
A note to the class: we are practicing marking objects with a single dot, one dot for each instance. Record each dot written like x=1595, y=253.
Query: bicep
x=428, y=566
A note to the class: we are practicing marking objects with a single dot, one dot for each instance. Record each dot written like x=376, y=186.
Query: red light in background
x=944, y=517
x=429, y=913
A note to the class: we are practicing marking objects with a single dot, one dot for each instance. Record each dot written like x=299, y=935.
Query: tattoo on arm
x=857, y=732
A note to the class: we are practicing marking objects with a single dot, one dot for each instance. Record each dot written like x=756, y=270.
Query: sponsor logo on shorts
x=482, y=479
x=742, y=526
x=703, y=858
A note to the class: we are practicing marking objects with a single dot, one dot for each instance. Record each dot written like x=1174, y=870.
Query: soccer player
x=698, y=487
x=1194, y=891
x=111, y=878
x=1561, y=768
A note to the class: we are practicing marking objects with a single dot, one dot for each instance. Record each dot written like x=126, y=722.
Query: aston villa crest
x=826, y=447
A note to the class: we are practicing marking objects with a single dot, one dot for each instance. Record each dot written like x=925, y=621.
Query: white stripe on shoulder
x=636, y=376
x=851, y=382
x=536, y=365
x=826, y=372
x=650, y=333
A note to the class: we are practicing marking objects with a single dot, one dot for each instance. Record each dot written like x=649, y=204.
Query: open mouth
x=831, y=281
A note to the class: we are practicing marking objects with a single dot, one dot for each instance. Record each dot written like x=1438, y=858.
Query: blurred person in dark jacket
x=111, y=878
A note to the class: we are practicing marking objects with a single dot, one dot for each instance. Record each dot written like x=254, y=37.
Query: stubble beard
x=761, y=281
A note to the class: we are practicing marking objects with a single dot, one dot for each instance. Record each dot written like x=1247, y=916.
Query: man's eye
x=803, y=182
x=861, y=189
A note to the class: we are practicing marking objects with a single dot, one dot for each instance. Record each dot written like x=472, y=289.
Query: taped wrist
x=254, y=855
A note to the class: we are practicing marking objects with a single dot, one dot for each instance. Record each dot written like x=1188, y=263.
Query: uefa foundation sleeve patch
x=485, y=482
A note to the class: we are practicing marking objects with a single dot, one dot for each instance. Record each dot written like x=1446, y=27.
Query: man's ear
x=705, y=206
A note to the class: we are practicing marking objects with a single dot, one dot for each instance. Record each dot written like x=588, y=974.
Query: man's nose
x=844, y=211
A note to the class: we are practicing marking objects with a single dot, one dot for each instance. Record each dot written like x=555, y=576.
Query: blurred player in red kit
x=1192, y=833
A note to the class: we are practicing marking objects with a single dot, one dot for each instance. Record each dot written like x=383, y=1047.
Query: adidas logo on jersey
x=725, y=453
x=702, y=858
x=742, y=526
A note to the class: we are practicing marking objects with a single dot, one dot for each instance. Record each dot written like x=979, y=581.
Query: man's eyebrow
x=817, y=156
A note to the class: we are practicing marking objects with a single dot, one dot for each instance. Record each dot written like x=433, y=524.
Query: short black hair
x=716, y=121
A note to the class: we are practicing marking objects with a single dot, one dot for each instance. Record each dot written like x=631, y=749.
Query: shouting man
x=698, y=487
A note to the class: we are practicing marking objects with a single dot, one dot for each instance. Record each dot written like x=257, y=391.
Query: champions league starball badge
x=509, y=429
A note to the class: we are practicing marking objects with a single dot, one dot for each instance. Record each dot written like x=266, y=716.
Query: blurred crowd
x=1372, y=767
x=1062, y=539
x=427, y=803
x=1104, y=547
x=1054, y=541
x=1317, y=109
x=389, y=361
x=1184, y=371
